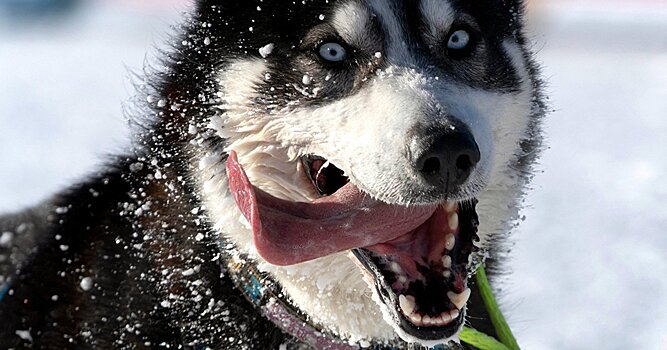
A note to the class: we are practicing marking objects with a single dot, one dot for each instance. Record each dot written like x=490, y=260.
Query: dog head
x=364, y=138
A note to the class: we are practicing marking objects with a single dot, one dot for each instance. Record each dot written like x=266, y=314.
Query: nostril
x=464, y=163
x=431, y=166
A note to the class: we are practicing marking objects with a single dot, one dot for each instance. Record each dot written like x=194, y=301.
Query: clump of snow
x=25, y=335
x=134, y=167
x=266, y=50
x=62, y=210
x=86, y=283
x=22, y=228
x=6, y=239
x=306, y=80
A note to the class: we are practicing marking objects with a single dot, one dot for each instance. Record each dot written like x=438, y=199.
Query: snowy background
x=589, y=268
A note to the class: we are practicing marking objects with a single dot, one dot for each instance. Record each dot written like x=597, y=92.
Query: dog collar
x=266, y=295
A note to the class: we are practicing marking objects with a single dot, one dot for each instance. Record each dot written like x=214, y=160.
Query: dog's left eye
x=332, y=52
x=458, y=40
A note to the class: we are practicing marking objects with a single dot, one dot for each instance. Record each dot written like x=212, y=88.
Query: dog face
x=365, y=137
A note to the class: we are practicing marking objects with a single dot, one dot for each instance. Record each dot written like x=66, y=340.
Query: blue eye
x=332, y=52
x=458, y=40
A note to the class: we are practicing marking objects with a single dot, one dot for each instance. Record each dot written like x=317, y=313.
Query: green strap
x=481, y=340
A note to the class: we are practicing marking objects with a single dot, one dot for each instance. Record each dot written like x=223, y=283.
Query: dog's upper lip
x=286, y=233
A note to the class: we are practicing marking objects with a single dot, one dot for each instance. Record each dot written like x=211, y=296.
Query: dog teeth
x=454, y=314
x=426, y=320
x=451, y=207
x=443, y=319
x=407, y=304
x=446, y=317
x=416, y=319
x=408, y=308
x=447, y=261
x=447, y=274
x=396, y=268
x=459, y=300
x=453, y=221
x=450, y=240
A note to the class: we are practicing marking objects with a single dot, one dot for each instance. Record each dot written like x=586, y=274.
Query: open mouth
x=416, y=257
x=422, y=276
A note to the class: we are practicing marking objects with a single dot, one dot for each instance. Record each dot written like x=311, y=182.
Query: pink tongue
x=287, y=233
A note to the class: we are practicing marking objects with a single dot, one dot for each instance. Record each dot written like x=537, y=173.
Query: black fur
x=133, y=228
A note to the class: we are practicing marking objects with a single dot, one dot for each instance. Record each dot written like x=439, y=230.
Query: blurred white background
x=589, y=267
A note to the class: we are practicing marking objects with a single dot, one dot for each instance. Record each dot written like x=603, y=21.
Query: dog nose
x=448, y=157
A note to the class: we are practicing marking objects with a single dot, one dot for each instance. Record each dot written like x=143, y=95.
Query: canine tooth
x=450, y=241
x=459, y=300
x=450, y=206
x=402, y=279
x=453, y=221
x=447, y=274
x=407, y=304
x=447, y=261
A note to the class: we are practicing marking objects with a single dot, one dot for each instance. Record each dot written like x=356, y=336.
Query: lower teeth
x=459, y=300
x=408, y=305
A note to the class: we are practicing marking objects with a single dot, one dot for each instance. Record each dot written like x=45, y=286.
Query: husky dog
x=306, y=174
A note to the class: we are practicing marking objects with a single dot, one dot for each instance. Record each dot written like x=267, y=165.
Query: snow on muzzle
x=287, y=233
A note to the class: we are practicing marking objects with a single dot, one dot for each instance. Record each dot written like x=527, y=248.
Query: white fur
x=439, y=16
x=350, y=22
x=363, y=136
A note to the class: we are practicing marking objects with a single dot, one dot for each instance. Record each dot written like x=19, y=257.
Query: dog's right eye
x=332, y=52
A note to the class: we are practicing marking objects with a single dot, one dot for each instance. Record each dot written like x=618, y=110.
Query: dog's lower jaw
x=390, y=318
x=405, y=336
